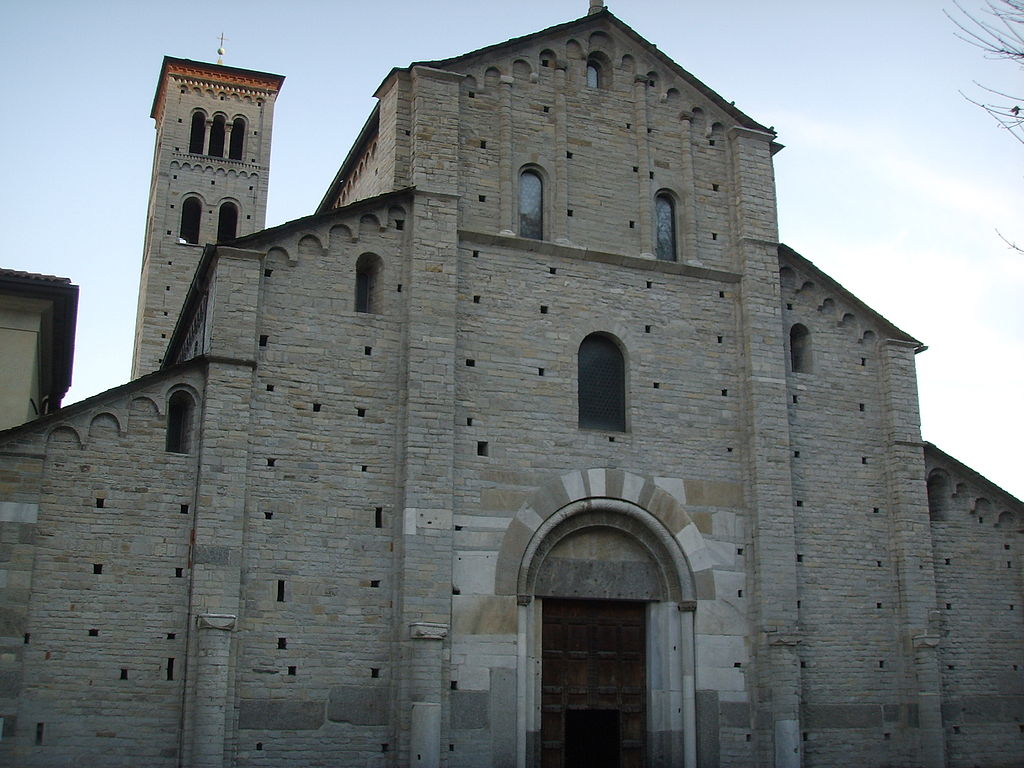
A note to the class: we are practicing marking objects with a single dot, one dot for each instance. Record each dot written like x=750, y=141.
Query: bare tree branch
x=998, y=30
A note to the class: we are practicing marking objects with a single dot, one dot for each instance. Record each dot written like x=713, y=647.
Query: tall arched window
x=665, y=227
x=237, y=139
x=217, y=131
x=531, y=205
x=593, y=74
x=197, y=136
x=227, y=222
x=800, y=349
x=180, y=409
x=191, y=213
x=367, y=291
x=601, y=372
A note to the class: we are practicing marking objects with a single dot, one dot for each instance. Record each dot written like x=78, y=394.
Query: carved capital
x=927, y=640
x=524, y=599
x=426, y=630
x=221, y=621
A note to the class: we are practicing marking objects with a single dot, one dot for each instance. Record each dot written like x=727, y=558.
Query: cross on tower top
x=220, y=49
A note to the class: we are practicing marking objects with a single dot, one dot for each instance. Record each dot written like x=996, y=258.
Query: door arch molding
x=670, y=675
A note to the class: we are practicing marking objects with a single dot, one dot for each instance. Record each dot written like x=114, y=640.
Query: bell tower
x=211, y=170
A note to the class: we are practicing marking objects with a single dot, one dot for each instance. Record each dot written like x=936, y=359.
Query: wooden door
x=593, y=700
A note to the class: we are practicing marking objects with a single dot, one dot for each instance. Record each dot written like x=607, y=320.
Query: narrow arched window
x=593, y=74
x=601, y=384
x=800, y=349
x=180, y=411
x=227, y=222
x=665, y=227
x=939, y=493
x=237, y=139
x=197, y=136
x=191, y=213
x=531, y=205
x=367, y=274
x=217, y=131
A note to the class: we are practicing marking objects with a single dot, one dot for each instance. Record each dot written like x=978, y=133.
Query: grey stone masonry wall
x=343, y=557
x=976, y=537
x=104, y=570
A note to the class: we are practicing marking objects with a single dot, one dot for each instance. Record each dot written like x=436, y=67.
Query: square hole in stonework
x=292, y=670
x=94, y=633
x=482, y=448
x=367, y=350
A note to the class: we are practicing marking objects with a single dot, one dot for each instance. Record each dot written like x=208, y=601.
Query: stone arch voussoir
x=656, y=504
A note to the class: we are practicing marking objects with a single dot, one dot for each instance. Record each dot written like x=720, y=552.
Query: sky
x=891, y=180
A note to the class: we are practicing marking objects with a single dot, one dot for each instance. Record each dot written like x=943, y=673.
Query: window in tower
x=197, y=136
x=237, y=139
x=665, y=227
x=217, y=131
x=531, y=205
x=602, y=384
x=227, y=222
x=191, y=213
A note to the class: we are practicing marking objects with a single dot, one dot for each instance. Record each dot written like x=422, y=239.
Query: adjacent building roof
x=59, y=332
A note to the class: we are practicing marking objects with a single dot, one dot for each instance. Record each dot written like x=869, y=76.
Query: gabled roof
x=83, y=406
x=213, y=73
x=941, y=457
x=595, y=19
x=787, y=254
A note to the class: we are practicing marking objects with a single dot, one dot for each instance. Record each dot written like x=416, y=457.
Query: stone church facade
x=532, y=446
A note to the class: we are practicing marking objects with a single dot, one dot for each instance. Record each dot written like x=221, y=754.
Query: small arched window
x=180, y=412
x=237, y=139
x=939, y=494
x=593, y=74
x=800, y=349
x=367, y=279
x=191, y=213
x=601, y=372
x=217, y=131
x=197, y=136
x=665, y=227
x=227, y=222
x=531, y=205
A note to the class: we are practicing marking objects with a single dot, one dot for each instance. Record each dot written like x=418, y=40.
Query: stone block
x=280, y=714
x=470, y=709
x=358, y=704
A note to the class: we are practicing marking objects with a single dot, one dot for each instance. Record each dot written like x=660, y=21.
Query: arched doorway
x=606, y=658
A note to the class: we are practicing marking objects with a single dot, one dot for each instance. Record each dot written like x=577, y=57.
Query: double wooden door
x=593, y=681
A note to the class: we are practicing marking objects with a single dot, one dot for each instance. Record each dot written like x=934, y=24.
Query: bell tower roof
x=212, y=74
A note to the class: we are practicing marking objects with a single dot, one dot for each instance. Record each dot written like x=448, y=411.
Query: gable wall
x=67, y=680
x=853, y=675
x=977, y=543
x=643, y=117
